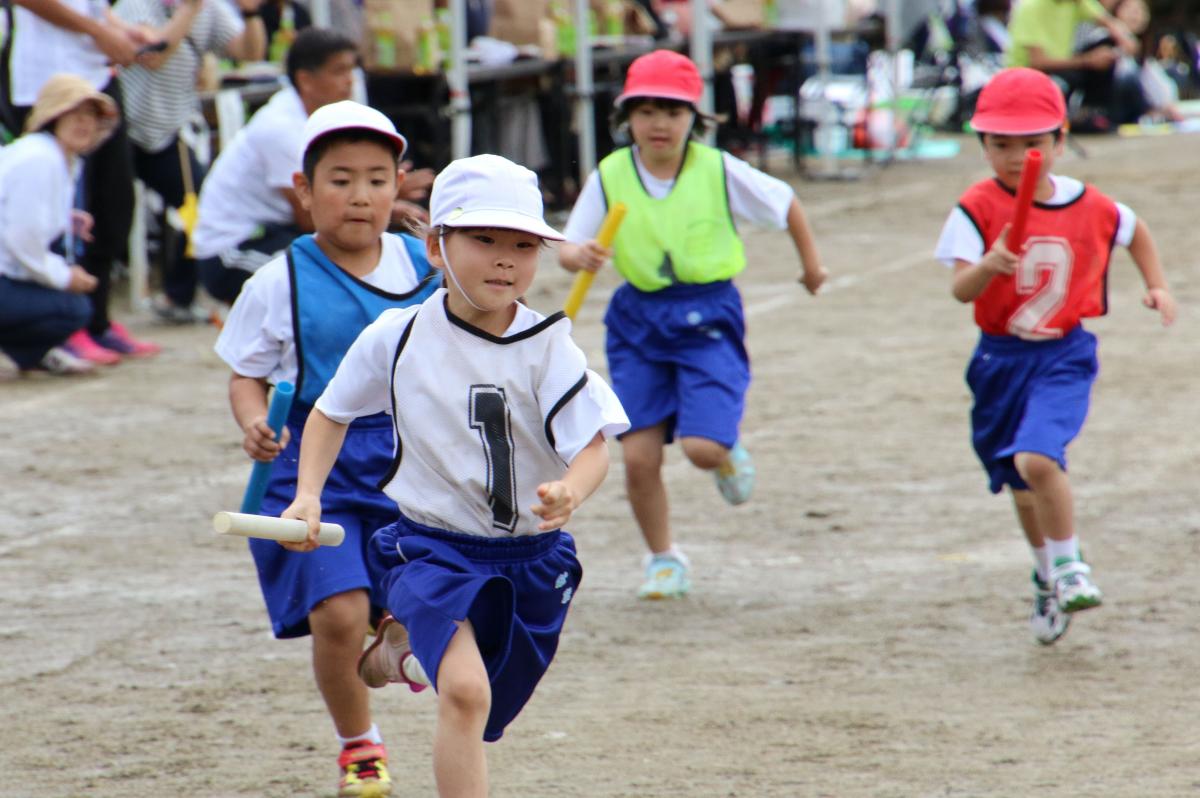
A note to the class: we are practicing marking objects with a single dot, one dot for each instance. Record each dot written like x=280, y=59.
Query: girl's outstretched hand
x=558, y=502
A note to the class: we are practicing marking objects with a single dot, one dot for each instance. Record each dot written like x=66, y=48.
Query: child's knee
x=342, y=617
x=1035, y=468
x=642, y=464
x=465, y=692
x=704, y=453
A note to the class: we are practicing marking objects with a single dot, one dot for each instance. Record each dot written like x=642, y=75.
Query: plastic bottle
x=428, y=53
x=443, y=29
x=614, y=18
x=284, y=35
x=565, y=23
x=385, y=41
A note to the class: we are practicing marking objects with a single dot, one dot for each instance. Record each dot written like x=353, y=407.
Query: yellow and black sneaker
x=364, y=771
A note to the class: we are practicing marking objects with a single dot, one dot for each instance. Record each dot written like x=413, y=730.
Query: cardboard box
x=393, y=33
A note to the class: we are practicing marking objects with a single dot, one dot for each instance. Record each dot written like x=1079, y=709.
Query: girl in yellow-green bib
x=675, y=328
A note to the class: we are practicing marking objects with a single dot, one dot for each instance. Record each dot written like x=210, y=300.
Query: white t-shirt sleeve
x=362, y=385
x=1126, y=224
x=594, y=409
x=254, y=337
x=756, y=196
x=577, y=412
x=960, y=240
x=588, y=213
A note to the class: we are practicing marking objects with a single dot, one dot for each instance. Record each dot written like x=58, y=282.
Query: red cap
x=665, y=74
x=1019, y=102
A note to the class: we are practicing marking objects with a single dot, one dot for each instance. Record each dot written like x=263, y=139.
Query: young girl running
x=500, y=436
x=676, y=330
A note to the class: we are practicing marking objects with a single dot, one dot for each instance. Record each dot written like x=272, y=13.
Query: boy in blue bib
x=294, y=320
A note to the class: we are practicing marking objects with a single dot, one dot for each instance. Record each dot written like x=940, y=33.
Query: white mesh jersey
x=480, y=420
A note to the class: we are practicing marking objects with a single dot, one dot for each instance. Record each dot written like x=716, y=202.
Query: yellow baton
x=583, y=280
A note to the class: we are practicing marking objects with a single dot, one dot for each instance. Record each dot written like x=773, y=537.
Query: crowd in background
x=136, y=65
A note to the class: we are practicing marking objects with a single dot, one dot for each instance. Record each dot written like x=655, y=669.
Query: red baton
x=1030, y=172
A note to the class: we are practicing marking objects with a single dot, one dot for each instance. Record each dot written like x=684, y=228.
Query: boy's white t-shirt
x=754, y=196
x=257, y=338
x=244, y=188
x=960, y=238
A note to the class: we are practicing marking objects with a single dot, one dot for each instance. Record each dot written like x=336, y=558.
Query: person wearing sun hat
x=293, y=321
x=42, y=287
x=1033, y=369
x=500, y=436
x=675, y=329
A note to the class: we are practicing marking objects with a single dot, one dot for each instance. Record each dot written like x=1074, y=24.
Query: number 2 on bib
x=1044, y=255
x=489, y=416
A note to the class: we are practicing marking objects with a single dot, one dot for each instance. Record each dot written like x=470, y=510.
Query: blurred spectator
x=243, y=223
x=992, y=19
x=160, y=96
x=1158, y=92
x=1044, y=37
x=42, y=300
x=82, y=37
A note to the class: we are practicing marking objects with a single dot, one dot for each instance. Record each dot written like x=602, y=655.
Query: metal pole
x=320, y=13
x=894, y=35
x=701, y=52
x=456, y=81
x=585, y=114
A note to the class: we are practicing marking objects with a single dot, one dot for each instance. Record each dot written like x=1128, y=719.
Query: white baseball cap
x=349, y=115
x=489, y=191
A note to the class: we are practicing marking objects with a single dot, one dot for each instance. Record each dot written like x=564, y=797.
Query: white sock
x=371, y=735
x=1063, y=549
x=1041, y=558
x=414, y=672
x=674, y=551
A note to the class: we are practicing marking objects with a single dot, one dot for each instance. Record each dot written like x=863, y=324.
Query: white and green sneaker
x=1073, y=586
x=1048, y=622
x=735, y=479
x=666, y=577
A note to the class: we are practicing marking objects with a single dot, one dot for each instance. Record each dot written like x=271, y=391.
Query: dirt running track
x=858, y=629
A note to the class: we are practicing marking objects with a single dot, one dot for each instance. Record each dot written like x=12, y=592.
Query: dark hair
x=700, y=126
x=313, y=47
x=446, y=230
x=316, y=151
x=1058, y=134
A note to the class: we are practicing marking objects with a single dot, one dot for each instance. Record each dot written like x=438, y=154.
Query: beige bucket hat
x=63, y=93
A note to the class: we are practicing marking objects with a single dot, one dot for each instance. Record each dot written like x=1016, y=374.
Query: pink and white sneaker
x=389, y=659
x=117, y=339
x=83, y=346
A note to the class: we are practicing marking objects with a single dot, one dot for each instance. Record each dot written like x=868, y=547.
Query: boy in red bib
x=1032, y=372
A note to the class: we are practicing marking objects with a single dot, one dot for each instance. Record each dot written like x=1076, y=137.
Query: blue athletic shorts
x=1030, y=396
x=515, y=591
x=293, y=583
x=677, y=356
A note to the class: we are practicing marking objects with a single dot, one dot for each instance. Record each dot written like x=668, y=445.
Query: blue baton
x=277, y=414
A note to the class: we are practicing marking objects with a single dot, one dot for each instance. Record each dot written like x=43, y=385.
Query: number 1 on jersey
x=489, y=415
